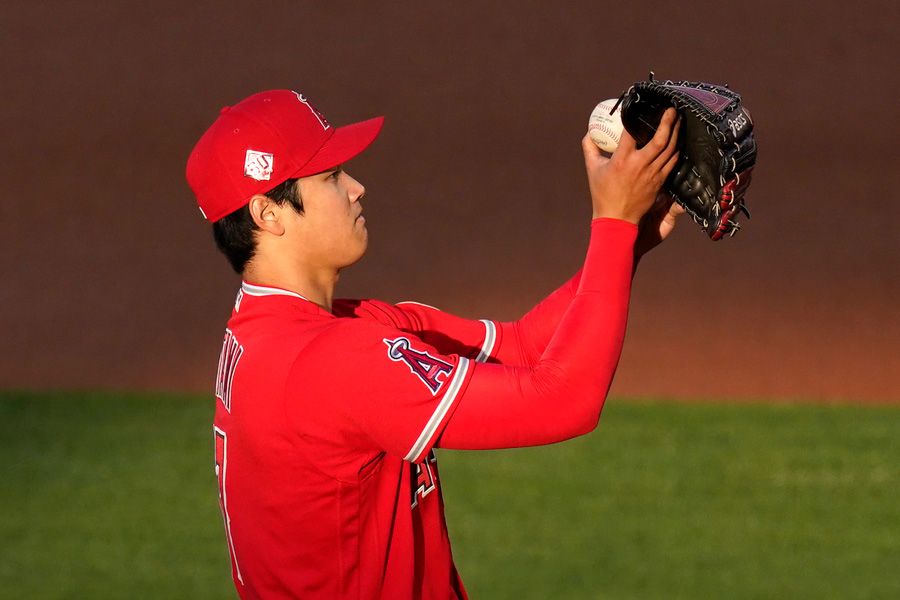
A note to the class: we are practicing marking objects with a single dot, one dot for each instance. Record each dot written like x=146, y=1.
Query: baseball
x=605, y=128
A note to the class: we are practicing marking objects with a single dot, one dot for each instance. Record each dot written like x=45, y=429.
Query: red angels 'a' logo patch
x=426, y=367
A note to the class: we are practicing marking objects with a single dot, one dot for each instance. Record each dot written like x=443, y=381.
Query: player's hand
x=657, y=223
x=626, y=185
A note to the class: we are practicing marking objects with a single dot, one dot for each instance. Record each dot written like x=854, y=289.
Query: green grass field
x=113, y=496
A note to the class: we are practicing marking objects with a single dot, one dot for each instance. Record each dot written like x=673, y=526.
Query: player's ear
x=266, y=214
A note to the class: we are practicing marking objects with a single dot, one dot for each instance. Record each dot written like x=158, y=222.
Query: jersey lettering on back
x=426, y=367
x=228, y=362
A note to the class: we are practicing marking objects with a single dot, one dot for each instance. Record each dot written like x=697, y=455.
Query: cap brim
x=345, y=143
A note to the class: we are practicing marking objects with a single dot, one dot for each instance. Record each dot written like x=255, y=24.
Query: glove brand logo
x=737, y=124
x=258, y=165
x=423, y=365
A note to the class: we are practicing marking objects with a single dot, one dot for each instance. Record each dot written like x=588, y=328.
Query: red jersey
x=328, y=483
x=326, y=422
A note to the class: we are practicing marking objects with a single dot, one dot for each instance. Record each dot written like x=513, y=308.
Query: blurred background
x=476, y=198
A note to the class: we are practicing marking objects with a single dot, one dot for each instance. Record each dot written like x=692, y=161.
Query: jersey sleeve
x=562, y=395
x=372, y=387
x=526, y=339
x=450, y=334
x=515, y=343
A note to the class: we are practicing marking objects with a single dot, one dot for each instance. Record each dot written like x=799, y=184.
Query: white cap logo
x=322, y=120
x=258, y=165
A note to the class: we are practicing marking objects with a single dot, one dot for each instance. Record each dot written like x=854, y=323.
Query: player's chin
x=357, y=255
x=362, y=243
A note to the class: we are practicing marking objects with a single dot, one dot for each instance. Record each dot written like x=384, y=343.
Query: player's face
x=333, y=230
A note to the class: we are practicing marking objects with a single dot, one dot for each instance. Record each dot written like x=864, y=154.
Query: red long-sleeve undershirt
x=562, y=394
x=523, y=341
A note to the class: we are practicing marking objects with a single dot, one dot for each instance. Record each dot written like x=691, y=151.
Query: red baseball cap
x=262, y=142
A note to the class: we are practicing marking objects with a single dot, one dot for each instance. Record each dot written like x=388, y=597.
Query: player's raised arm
x=563, y=394
x=522, y=342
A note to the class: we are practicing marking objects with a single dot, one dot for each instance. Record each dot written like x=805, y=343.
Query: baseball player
x=328, y=411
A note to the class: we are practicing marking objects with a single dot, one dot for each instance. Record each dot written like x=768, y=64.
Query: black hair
x=235, y=233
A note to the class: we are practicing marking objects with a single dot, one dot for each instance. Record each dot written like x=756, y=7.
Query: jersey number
x=423, y=478
x=221, y=462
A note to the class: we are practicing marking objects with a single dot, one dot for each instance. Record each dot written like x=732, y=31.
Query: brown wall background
x=476, y=196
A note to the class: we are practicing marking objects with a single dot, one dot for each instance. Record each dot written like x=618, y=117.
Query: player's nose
x=356, y=189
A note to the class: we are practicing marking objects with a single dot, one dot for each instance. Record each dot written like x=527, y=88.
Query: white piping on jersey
x=261, y=290
x=418, y=304
x=225, y=516
x=459, y=375
x=490, y=338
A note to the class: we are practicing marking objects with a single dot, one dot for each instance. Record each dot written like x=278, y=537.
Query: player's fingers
x=669, y=157
x=626, y=143
x=676, y=209
x=665, y=161
x=593, y=157
x=672, y=146
x=588, y=146
x=671, y=163
x=659, y=143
